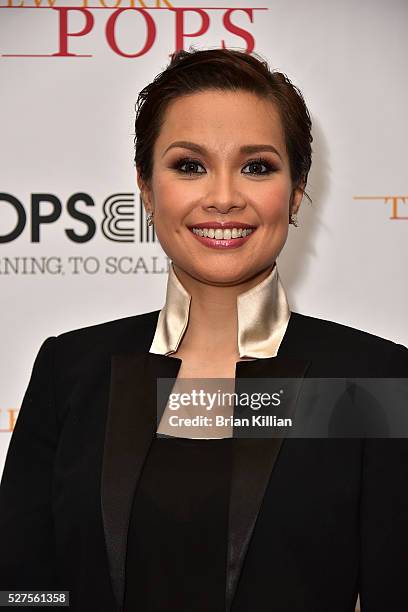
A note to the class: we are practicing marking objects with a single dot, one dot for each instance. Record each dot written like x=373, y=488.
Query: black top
x=177, y=539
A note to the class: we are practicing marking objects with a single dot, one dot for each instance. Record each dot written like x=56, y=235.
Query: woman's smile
x=222, y=235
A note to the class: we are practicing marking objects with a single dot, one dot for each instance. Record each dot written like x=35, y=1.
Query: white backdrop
x=67, y=124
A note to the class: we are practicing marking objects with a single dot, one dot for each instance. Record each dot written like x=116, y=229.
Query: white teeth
x=220, y=234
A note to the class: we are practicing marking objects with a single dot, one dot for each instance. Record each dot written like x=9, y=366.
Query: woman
x=103, y=497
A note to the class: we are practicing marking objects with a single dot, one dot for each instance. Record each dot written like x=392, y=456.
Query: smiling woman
x=222, y=179
x=222, y=189
x=108, y=494
x=227, y=158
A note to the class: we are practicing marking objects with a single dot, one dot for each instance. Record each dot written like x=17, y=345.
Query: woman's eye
x=257, y=164
x=258, y=167
x=188, y=166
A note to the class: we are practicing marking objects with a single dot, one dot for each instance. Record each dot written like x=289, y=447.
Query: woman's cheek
x=275, y=212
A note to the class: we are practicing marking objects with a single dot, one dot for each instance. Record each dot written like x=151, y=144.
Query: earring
x=150, y=219
x=293, y=220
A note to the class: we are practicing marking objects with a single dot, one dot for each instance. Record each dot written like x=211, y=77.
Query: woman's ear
x=145, y=193
x=296, y=197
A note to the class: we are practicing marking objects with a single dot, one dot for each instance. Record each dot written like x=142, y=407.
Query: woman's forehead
x=221, y=122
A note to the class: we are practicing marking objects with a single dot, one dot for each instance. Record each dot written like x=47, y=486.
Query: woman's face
x=232, y=167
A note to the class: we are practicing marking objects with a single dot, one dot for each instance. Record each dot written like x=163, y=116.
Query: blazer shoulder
x=127, y=333
x=329, y=337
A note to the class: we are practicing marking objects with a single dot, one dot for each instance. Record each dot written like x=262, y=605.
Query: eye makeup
x=189, y=162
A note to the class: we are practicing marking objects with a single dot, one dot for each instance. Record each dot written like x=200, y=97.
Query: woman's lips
x=222, y=243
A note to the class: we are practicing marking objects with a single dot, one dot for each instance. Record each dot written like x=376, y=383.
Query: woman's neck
x=213, y=320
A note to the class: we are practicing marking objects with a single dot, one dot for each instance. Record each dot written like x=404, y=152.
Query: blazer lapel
x=130, y=428
x=252, y=466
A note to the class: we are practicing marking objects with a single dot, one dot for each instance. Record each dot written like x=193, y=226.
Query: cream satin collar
x=263, y=316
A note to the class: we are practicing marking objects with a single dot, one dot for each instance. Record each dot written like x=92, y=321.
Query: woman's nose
x=224, y=194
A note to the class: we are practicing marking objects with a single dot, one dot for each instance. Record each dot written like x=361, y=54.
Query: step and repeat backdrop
x=74, y=246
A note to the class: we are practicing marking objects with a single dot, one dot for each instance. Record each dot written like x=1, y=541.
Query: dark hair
x=222, y=69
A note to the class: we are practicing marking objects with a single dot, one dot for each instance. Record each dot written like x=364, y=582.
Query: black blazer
x=312, y=521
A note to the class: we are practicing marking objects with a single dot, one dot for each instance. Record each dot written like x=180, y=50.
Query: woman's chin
x=223, y=274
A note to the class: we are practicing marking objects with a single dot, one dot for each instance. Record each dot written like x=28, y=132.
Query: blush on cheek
x=276, y=211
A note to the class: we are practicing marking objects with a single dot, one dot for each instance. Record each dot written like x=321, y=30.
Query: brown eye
x=188, y=166
x=257, y=164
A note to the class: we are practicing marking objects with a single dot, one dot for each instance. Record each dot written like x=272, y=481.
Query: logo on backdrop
x=8, y=418
x=123, y=219
x=395, y=204
x=137, y=21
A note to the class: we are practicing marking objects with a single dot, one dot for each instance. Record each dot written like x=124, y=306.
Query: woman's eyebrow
x=255, y=148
